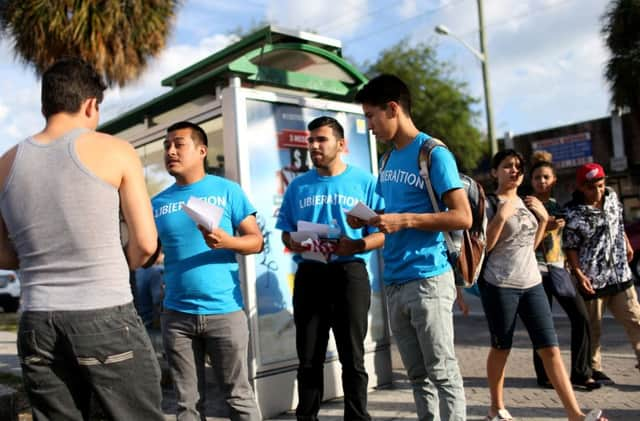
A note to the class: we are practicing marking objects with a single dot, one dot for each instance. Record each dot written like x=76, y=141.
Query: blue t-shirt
x=321, y=199
x=412, y=254
x=198, y=279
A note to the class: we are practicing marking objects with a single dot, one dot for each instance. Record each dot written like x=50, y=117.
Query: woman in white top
x=512, y=285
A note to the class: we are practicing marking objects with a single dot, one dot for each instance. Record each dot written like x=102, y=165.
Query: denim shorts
x=501, y=305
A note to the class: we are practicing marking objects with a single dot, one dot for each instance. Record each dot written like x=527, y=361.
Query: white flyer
x=322, y=230
x=203, y=213
x=362, y=211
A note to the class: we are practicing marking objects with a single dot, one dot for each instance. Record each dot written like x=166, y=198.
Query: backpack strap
x=384, y=159
x=493, y=201
x=424, y=163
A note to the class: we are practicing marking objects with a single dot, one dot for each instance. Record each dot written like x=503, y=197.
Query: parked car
x=9, y=291
x=633, y=232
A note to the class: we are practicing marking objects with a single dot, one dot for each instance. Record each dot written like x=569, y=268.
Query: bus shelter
x=254, y=100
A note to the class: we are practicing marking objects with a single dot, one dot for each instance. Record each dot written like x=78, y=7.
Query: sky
x=546, y=57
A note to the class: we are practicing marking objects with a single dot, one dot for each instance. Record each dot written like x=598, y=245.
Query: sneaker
x=589, y=384
x=602, y=378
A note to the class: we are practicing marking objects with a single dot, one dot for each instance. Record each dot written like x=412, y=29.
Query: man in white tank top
x=61, y=190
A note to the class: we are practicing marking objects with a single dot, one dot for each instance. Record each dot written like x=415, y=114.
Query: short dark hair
x=197, y=134
x=504, y=154
x=385, y=88
x=67, y=83
x=323, y=121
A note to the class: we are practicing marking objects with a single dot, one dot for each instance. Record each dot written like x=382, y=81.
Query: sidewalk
x=525, y=400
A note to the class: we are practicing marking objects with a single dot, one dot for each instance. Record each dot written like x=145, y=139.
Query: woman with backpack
x=512, y=285
x=556, y=280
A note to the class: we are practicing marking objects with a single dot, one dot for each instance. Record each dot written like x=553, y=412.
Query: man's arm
x=292, y=245
x=348, y=247
x=136, y=209
x=574, y=266
x=248, y=242
x=8, y=257
x=629, y=247
x=456, y=217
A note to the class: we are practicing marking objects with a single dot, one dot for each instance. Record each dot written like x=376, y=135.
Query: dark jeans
x=501, y=306
x=70, y=357
x=336, y=296
x=580, y=336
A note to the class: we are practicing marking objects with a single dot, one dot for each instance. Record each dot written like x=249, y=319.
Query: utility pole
x=493, y=143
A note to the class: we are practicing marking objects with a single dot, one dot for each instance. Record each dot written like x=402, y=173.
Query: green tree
x=441, y=105
x=117, y=37
x=621, y=31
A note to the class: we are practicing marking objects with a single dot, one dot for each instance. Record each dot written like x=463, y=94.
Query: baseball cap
x=589, y=172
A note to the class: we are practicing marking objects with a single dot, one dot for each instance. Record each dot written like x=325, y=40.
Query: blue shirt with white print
x=198, y=279
x=321, y=199
x=413, y=254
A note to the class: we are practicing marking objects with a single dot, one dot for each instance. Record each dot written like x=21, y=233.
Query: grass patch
x=9, y=322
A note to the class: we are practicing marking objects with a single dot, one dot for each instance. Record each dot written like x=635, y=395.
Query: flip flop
x=593, y=415
x=503, y=415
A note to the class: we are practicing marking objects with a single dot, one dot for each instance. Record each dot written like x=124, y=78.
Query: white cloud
x=170, y=61
x=545, y=59
x=340, y=19
x=20, y=98
x=408, y=8
x=4, y=111
x=546, y=56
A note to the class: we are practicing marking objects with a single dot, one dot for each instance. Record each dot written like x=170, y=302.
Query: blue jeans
x=421, y=318
x=225, y=339
x=70, y=357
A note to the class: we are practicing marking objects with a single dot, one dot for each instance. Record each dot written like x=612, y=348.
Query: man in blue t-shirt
x=335, y=294
x=203, y=300
x=418, y=277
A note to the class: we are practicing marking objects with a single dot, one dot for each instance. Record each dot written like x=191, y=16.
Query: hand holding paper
x=203, y=213
x=362, y=211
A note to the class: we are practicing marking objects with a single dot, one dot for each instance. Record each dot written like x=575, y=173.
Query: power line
x=357, y=17
x=520, y=16
x=393, y=25
x=471, y=32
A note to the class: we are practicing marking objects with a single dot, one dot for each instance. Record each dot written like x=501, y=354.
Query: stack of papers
x=309, y=231
x=203, y=213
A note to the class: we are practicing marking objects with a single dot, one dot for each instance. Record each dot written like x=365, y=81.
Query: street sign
x=567, y=151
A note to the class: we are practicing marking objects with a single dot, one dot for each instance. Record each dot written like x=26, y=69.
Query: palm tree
x=621, y=31
x=117, y=36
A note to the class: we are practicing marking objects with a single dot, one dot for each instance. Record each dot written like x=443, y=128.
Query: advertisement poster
x=277, y=139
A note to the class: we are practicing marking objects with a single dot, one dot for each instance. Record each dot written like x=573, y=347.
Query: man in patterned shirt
x=598, y=252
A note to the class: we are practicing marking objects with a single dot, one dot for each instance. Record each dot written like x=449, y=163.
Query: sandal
x=504, y=415
x=593, y=415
